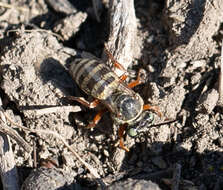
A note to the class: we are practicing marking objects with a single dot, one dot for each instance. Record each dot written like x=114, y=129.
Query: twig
x=8, y=6
x=12, y=133
x=169, y=121
x=56, y=135
x=122, y=42
x=220, y=87
x=8, y=170
x=34, y=154
x=97, y=161
x=64, y=109
x=176, y=177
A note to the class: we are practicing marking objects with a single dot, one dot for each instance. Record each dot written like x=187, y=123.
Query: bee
x=126, y=106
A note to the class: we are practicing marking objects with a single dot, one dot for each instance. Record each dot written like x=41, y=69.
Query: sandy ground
x=180, y=55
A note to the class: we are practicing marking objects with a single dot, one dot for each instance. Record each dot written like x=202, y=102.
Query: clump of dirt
x=181, y=56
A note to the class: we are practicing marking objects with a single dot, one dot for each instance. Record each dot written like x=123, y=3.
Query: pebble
x=208, y=101
x=50, y=179
x=106, y=153
x=134, y=184
x=80, y=170
x=198, y=63
x=202, y=119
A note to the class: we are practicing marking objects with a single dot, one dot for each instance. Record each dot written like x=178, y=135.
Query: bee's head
x=140, y=125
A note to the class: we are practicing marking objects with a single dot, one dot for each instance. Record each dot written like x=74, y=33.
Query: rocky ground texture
x=178, y=48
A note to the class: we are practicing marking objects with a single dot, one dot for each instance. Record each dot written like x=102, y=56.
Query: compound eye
x=146, y=119
x=142, y=124
x=149, y=117
x=132, y=132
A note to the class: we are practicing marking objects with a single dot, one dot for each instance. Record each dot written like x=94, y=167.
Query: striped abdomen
x=94, y=78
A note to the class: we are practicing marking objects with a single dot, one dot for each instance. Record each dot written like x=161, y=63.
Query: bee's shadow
x=51, y=70
x=82, y=119
x=156, y=161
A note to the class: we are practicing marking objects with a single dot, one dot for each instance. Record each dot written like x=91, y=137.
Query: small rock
x=181, y=65
x=106, y=153
x=195, y=78
x=198, y=63
x=49, y=178
x=68, y=159
x=117, y=158
x=80, y=170
x=99, y=138
x=208, y=101
x=69, y=26
x=187, y=145
x=134, y=184
x=202, y=144
x=202, y=119
x=94, y=147
x=164, y=133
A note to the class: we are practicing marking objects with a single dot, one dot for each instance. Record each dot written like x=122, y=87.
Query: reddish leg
x=96, y=119
x=85, y=102
x=116, y=64
x=135, y=82
x=153, y=108
x=123, y=77
x=121, y=131
x=93, y=104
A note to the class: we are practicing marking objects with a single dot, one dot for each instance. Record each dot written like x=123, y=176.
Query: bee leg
x=96, y=119
x=123, y=77
x=114, y=62
x=135, y=82
x=121, y=131
x=85, y=102
x=153, y=108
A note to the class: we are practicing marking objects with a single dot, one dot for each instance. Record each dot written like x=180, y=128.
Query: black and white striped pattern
x=94, y=77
